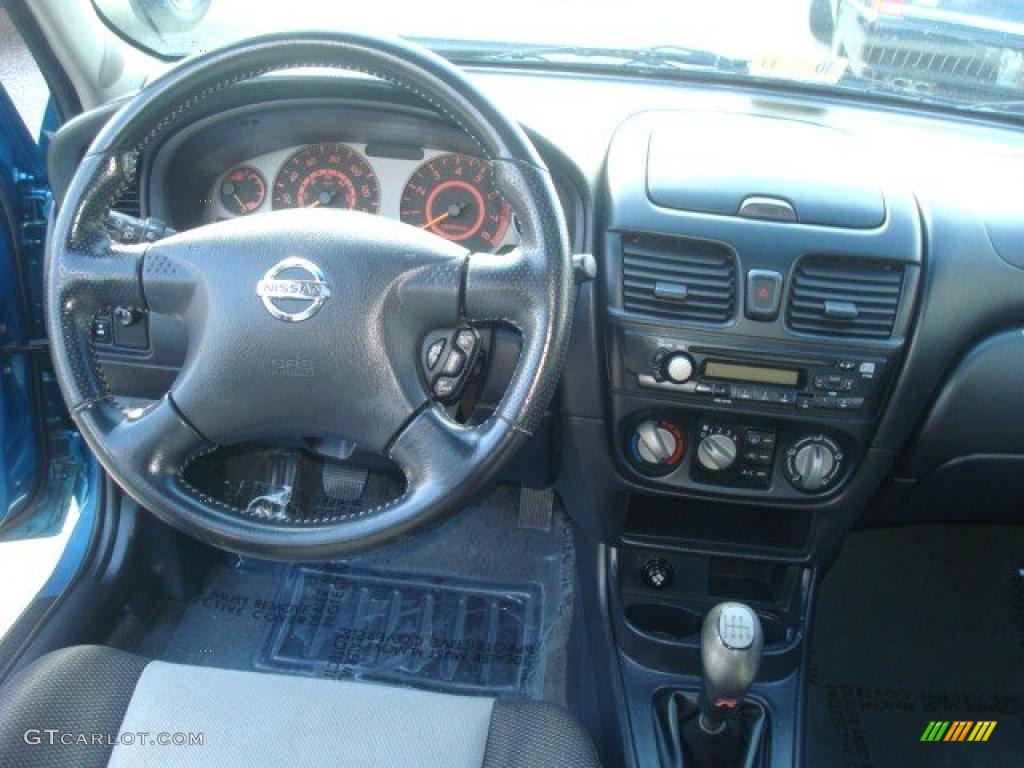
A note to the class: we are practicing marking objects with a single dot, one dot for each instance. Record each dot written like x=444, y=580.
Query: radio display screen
x=751, y=373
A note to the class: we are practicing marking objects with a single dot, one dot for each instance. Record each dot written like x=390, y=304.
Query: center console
x=742, y=449
x=758, y=279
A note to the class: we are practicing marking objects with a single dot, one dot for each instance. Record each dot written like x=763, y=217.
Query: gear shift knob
x=731, y=643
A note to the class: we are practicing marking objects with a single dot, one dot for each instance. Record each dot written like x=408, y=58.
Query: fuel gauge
x=243, y=190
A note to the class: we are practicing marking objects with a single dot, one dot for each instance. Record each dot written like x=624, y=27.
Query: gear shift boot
x=683, y=743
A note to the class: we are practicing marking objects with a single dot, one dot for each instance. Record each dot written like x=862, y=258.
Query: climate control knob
x=717, y=452
x=813, y=463
x=656, y=446
x=677, y=367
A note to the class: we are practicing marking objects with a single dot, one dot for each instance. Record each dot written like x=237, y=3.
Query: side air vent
x=128, y=202
x=678, y=279
x=844, y=297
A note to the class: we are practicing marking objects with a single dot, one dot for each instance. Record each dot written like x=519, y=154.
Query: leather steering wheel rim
x=390, y=284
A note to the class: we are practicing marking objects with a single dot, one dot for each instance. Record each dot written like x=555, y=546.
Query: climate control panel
x=735, y=455
x=748, y=456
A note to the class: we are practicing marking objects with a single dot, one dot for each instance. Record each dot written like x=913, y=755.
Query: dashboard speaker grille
x=844, y=297
x=678, y=279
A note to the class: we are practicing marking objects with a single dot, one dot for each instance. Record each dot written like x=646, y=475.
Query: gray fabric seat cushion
x=90, y=707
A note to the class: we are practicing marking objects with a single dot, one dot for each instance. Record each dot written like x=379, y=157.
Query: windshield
x=966, y=54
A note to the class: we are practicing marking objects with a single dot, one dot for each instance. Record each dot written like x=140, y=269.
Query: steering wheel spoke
x=95, y=282
x=155, y=440
x=152, y=445
x=501, y=288
x=436, y=455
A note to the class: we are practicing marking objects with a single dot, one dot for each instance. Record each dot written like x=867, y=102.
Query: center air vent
x=844, y=297
x=678, y=279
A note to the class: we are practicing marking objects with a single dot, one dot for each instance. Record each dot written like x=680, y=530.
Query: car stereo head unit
x=835, y=382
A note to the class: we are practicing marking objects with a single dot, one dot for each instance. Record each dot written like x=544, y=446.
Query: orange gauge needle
x=453, y=210
x=437, y=220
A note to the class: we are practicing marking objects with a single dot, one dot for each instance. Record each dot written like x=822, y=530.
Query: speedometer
x=327, y=176
x=455, y=196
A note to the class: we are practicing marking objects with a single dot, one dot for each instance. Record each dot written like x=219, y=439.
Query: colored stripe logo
x=958, y=730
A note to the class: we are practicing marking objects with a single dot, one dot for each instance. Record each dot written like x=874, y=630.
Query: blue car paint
x=20, y=161
x=86, y=486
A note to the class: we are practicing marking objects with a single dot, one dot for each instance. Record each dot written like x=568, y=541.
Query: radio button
x=721, y=390
x=784, y=397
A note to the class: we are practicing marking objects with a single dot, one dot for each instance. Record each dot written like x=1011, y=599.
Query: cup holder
x=775, y=632
x=666, y=622
x=676, y=624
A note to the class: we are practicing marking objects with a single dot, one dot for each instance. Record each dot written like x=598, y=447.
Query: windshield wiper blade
x=662, y=57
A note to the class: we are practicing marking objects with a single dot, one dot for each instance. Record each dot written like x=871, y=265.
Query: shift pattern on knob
x=736, y=626
x=717, y=452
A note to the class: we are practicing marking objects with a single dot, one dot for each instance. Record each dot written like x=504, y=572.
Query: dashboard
x=791, y=282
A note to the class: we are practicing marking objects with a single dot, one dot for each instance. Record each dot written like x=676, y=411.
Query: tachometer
x=327, y=176
x=455, y=196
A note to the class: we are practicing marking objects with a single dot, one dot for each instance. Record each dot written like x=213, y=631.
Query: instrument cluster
x=451, y=194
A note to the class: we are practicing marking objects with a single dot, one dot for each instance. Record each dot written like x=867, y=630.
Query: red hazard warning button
x=764, y=294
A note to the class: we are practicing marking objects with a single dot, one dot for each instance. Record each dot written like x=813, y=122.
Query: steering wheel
x=356, y=296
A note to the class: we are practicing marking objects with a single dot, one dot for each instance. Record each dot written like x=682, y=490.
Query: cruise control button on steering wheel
x=449, y=358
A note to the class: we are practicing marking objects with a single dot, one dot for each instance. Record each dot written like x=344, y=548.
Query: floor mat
x=447, y=634
x=479, y=605
x=918, y=626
